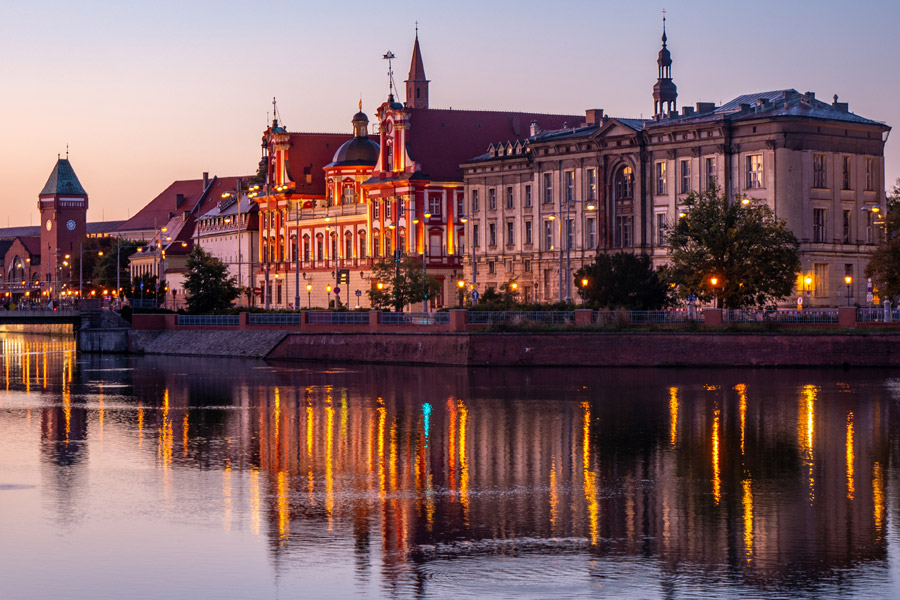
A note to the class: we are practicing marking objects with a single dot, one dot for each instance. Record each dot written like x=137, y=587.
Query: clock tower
x=63, y=204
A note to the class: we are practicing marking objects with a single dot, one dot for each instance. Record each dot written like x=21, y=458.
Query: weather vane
x=389, y=57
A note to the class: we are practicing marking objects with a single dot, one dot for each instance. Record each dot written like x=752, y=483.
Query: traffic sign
x=475, y=296
x=337, y=290
x=358, y=293
x=343, y=276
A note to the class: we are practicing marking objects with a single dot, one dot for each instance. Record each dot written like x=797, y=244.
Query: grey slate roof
x=63, y=180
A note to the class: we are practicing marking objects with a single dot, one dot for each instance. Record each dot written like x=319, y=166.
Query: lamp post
x=308, y=296
x=425, y=261
x=297, y=265
x=808, y=282
x=328, y=289
x=584, y=284
x=714, y=281
x=461, y=285
x=848, y=279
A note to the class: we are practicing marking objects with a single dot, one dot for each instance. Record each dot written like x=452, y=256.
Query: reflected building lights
x=673, y=416
x=806, y=422
x=742, y=405
x=717, y=481
x=851, y=487
x=878, y=497
x=254, y=501
x=284, y=522
x=747, y=502
x=463, y=459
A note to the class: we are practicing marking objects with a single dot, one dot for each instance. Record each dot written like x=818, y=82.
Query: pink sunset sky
x=147, y=93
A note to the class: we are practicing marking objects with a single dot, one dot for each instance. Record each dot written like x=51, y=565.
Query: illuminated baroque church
x=334, y=204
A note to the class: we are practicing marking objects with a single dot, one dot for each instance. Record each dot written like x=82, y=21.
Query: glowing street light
x=308, y=296
x=848, y=279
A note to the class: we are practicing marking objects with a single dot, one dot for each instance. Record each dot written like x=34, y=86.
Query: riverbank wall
x=561, y=349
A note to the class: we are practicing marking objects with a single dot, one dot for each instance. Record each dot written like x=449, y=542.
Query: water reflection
x=773, y=481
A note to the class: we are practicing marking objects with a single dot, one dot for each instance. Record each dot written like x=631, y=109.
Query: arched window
x=306, y=247
x=376, y=244
x=348, y=245
x=623, y=183
x=320, y=247
x=389, y=156
x=362, y=244
x=294, y=248
x=334, y=246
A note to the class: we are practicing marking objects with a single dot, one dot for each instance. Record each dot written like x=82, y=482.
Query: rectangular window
x=474, y=201
x=685, y=176
x=870, y=174
x=492, y=234
x=846, y=227
x=376, y=210
x=475, y=237
x=402, y=206
x=623, y=232
x=460, y=205
x=845, y=172
x=387, y=210
x=548, y=235
x=435, y=205
x=570, y=186
x=818, y=225
x=819, y=173
x=711, y=172
x=590, y=233
x=754, y=171
x=591, y=175
x=660, y=229
x=527, y=196
x=661, y=178
x=528, y=233
x=510, y=239
x=492, y=199
x=548, y=188
x=820, y=276
x=491, y=268
x=509, y=198
x=527, y=264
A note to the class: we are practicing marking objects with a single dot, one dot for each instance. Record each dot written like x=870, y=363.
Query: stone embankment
x=245, y=344
x=575, y=349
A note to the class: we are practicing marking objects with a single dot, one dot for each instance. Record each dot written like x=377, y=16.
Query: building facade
x=542, y=206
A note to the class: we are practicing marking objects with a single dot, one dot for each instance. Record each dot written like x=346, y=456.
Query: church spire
x=665, y=92
x=417, y=83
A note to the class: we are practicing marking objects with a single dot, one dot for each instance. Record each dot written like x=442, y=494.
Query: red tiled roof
x=32, y=244
x=441, y=139
x=156, y=213
x=312, y=151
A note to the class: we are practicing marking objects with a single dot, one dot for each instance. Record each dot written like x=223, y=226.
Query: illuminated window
x=660, y=178
x=754, y=171
x=685, y=176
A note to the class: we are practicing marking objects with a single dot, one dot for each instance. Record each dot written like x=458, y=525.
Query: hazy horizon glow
x=147, y=94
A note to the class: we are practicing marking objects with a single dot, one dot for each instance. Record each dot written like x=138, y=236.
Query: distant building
x=166, y=226
x=542, y=205
x=230, y=232
x=339, y=203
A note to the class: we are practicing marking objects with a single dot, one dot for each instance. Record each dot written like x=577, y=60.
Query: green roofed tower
x=63, y=204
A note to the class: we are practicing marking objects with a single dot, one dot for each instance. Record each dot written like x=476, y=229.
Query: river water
x=160, y=477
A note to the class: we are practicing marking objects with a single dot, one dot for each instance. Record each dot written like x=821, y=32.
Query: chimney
x=687, y=111
x=534, y=129
x=179, y=200
x=205, y=179
x=841, y=106
x=593, y=116
x=808, y=97
x=705, y=107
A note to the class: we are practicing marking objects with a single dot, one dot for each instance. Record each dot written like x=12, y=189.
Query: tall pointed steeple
x=417, y=84
x=665, y=92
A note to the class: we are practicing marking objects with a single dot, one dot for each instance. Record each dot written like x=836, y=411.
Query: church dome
x=665, y=58
x=358, y=151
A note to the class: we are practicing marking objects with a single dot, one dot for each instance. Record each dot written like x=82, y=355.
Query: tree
x=622, y=280
x=884, y=266
x=738, y=253
x=402, y=283
x=209, y=288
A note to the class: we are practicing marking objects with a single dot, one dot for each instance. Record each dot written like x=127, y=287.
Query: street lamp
x=461, y=286
x=584, y=284
x=848, y=279
x=552, y=217
x=714, y=281
x=425, y=261
x=808, y=282
x=308, y=296
x=328, y=289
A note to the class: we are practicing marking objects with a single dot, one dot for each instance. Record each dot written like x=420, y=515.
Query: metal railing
x=393, y=318
x=519, y=317
x=207, y=320
x=808, y=315
x=646, y=317
x=145, y=303
x=877, y=315
x=324, y=317
x=273, y=319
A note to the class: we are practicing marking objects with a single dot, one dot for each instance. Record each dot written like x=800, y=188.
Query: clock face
x=49, y=224
x=70, y=225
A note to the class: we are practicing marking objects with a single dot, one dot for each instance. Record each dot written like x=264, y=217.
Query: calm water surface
x=150, y=477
